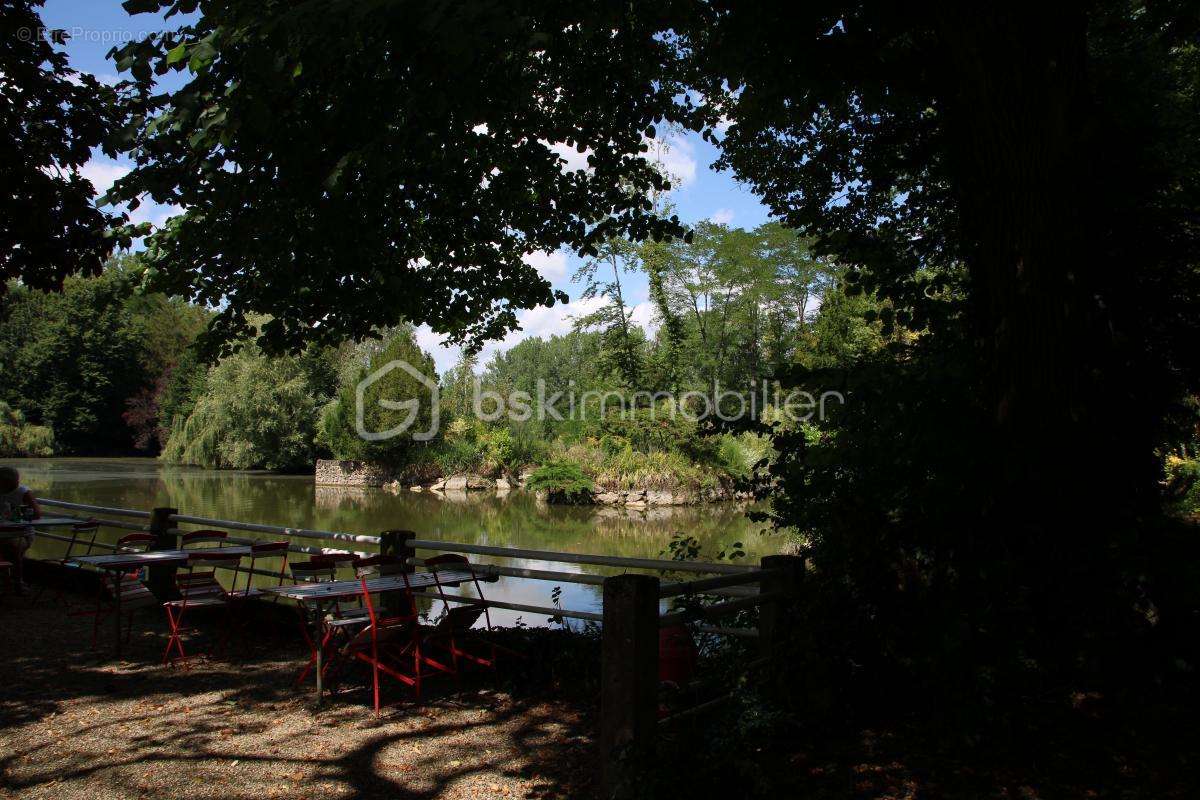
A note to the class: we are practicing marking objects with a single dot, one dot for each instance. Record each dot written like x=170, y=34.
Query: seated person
x=14, y=496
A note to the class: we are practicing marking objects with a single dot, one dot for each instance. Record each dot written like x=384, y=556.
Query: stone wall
x=362, y=473
x=331, y=472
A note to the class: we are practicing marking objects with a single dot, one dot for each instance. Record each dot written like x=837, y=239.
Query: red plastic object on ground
x=676, y=655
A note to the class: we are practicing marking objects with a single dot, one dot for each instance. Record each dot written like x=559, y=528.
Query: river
x=515, y=520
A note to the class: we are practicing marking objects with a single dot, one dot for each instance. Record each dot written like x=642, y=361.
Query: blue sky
x=96, y=26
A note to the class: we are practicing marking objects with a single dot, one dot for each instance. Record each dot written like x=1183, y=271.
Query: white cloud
x=678, y=158
x=722, y=216
x=645, y=316
x=676, y=154
x=103, y=173
x=153, y=213
x=551, y=266
x=541, y=321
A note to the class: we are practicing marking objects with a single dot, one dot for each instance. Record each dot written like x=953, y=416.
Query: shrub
x=19, y=438
x=563, y=481
x=1183, y=484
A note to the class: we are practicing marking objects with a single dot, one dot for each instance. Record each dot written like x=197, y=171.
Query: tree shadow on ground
x=79, y=722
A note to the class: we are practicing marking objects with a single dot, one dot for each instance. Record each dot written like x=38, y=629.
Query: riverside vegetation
x=733, y=309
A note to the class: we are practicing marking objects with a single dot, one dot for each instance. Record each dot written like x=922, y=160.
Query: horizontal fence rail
x=720, y=582
x=120, y=512
x=718, y=610
x=516, y=572
x=304, y=533
x=581, y=558
x=547, y=610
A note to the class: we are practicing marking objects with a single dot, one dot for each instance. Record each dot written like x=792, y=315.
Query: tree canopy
x=51, y=117
x=403, y=150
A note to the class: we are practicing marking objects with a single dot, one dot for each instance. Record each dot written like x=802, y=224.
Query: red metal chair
x=127, y=586
x=452, y=630
x=391, y=644
x=322, y=568
x=6, y=570
x=261, y=552
x=81, y=533
x=194, y=539
x=198, y=588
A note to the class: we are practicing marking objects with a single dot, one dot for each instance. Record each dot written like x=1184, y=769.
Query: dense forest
x=107, y=368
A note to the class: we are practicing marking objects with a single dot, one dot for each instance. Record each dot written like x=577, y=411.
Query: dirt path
x=76, y=724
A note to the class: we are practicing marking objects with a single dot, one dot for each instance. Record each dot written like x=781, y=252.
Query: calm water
x=481, y=518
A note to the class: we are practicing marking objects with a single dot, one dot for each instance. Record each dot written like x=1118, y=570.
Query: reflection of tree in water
x=515, y=520
x=518, y=520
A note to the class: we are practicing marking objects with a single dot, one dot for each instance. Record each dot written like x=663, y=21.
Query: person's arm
x=32, y=502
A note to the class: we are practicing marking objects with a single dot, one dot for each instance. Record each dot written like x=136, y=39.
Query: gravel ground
x=75, y=723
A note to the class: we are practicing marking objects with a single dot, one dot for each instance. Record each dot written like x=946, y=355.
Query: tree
x=18, y=438
x=993, y=176
x=256, y=412
x=425, y=137
x=613, y=319
x=71, y=360
x=393, y=401
x=52, y=117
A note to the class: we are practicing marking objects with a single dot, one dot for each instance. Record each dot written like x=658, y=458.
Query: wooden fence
x=630, y=618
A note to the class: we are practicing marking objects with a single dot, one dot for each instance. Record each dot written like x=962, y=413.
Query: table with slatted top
x=122, y=562
x=342, y=590
x=312, y=595
x=16, y=529
x=158, y=558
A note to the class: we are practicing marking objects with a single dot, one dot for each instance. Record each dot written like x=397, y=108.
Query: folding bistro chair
x=261, y=552
x=390, y=645
x=198, y=588
x=322, y=568
x=124, y=587
x=6, y=570
x=82, y=533
x=195, y=539
x=452, y=630
x=13, y=570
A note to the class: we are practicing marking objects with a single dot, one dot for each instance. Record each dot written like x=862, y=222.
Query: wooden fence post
x=396, y=543
x=628, y=680
x=786, y=573
x=161, y=578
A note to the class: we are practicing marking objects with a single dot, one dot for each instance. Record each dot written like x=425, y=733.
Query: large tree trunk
x=1066, y=471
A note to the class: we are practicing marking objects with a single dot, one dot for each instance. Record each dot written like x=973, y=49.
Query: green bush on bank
x=1183, y=484
x=19, y=438
x=563, y=480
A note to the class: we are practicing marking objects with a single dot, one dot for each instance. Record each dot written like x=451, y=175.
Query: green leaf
x=177, y=53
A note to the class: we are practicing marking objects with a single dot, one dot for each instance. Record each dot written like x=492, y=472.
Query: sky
x=95, y=26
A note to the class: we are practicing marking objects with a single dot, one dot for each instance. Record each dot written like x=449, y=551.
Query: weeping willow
x=256, y=413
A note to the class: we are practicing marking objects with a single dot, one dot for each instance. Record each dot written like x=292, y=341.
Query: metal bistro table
x=42, y=522
x=121, y=562
x=312, y=595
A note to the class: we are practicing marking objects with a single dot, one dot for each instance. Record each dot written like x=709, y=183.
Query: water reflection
x=513, y=520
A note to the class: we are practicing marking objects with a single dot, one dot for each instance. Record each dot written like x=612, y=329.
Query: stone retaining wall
x=330, y=472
